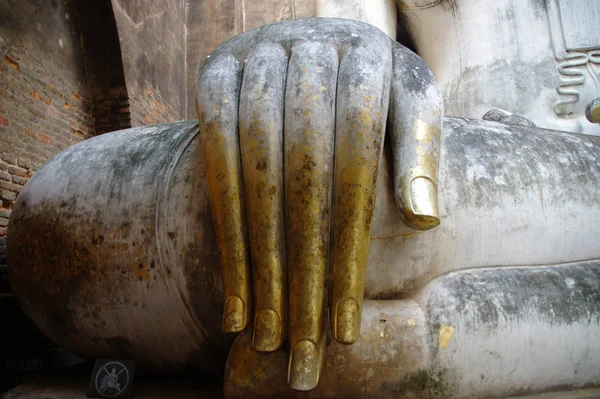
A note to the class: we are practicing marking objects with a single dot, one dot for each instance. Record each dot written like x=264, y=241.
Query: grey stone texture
x=157, y=173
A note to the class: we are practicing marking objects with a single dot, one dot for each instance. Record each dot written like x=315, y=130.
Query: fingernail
x=305, y=366
x=424, y=201
x=347, y=321
x=234, y=318
x=267, y=331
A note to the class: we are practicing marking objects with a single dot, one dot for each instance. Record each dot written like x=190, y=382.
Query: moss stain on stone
x=424, y=384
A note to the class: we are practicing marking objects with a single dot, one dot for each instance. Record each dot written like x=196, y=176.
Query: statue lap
x=441, y=310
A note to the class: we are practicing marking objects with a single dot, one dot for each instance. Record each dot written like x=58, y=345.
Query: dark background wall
x=103, y=63
x=211, y=22
x=152, y=36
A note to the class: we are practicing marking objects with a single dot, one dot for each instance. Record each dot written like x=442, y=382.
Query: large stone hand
x=275, y=104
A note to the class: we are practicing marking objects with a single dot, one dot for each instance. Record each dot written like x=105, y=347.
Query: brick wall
x=45, y=104
x=149, y=108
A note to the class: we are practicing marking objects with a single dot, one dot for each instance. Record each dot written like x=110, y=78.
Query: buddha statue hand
x=275, y=104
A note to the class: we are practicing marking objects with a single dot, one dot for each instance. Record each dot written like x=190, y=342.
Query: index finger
x=218, y=96
x=261, y=138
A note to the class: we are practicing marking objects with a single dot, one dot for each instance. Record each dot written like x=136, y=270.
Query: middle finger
x=309, y=145
x=261, y=140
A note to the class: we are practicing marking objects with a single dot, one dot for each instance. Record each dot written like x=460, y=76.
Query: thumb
x=415, y=121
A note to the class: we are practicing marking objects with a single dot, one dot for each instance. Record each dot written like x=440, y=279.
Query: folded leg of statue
x=478, y=330
x=502, y=298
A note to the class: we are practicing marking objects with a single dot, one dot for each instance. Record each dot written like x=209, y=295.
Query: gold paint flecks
x=446, y=333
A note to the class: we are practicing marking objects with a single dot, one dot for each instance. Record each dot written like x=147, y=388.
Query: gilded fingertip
x=234, y=317
x=347, y=321
x=305, y=366
x=420, y=204
x=267, y=335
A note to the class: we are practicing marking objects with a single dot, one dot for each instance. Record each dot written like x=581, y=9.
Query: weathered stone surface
x=500, y=115
x=86, y=248
x=516, y=330
x=500, y=186
x=478, y=333
x=537, y=59
x=157, y=174
x=494, y=204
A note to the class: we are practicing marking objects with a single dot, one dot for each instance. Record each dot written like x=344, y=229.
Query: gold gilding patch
x=446, y=333
x=364, y=116
x=370, y=98
x=424, y=131
x=224, y=184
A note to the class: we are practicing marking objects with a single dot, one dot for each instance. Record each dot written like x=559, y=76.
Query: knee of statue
x=282, y=205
